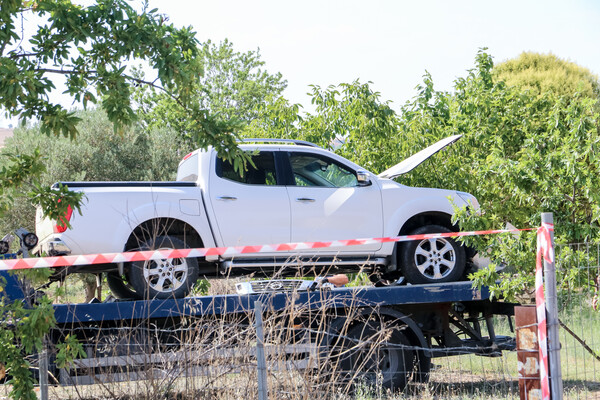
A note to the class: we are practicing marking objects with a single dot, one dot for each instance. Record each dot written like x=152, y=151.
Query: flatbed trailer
x=391, y=332
x=382, y=335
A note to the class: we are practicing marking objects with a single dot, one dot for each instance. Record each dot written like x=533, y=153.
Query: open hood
x=413, y=161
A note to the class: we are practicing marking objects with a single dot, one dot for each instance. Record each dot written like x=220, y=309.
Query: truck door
x=327, y=203
x=253, y=209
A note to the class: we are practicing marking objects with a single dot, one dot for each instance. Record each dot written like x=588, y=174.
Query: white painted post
x=260, y=353
x=43, y=371
x=556, y=384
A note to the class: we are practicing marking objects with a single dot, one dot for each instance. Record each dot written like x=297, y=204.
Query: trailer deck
x=273, y=302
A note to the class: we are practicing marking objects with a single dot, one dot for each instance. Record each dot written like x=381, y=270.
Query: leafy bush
x=522, y=153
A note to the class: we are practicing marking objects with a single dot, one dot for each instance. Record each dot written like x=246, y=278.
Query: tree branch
x=23, y=55
x=128, y=77
x=92, y=72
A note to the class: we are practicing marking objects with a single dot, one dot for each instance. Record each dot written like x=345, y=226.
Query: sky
x=389, y=42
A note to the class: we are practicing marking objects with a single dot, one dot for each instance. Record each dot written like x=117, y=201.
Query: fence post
x=43, y=372
x=556, y=384
x=260, y=353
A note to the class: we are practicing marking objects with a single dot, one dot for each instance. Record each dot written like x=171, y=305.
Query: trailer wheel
x=368, y=357
x=165, y=278
x=434, y=260
x=119, y=287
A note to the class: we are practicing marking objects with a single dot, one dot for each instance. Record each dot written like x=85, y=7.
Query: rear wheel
x=164, y=278
x=367, y=356
x=433, y=260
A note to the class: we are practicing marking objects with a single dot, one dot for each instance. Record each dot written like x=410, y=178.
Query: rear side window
x=261, y=173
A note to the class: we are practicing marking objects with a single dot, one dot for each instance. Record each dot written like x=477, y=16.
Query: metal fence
x=578, y=272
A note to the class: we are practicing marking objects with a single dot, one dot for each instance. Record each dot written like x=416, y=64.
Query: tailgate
x=44, y=226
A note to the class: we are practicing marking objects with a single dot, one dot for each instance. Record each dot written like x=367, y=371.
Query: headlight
x=469, y=199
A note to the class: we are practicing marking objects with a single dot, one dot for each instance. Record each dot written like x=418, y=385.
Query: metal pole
x=260, y=353
x=556, y=384
x=43, y=371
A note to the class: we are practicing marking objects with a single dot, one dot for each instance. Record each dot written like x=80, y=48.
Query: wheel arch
x=432, y=218
x=161, y=226
x=427, y=218
x=164, y=226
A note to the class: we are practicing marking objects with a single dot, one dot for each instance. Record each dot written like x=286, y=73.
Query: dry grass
x=215, y=357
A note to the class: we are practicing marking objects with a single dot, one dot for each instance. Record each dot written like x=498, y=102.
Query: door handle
x=225, y=198
x=305, y=200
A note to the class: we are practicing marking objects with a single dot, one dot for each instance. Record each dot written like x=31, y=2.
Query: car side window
x=261, y=173
x=316, y=170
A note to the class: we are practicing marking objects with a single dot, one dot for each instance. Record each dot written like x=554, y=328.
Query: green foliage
x=98, y=154
x=70, y=349
x=349, y=118
x=522, y=153
x=233, y=87
x=543, y=73
x=15, y=171
x=235, y=83
x=201, y=287
x=21, y=332
x=89, y=46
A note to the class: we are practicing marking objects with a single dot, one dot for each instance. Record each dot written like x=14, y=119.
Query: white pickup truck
x=295, y=192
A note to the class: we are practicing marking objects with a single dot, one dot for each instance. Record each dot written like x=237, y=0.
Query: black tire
x=432, y=260
x=366, y=358
x=172, y=278
x=119, y=287
x=423, y=364
x=383, y=279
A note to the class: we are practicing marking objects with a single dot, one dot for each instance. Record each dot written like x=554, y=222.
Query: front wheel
x=165, y=278
x=119, y=286
x=434, y=260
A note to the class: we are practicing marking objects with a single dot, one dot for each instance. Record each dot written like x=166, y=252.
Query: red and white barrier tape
x=545, y=251
x=64, y=261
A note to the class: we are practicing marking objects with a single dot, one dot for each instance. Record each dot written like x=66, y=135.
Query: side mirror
x=362, y=178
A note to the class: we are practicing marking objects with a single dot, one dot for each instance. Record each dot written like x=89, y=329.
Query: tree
x=98, y=154
x=235, y=83
x=233, y=88
x=542, y=73
x=350, y=118
x=90, y=48
x=522, y=153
